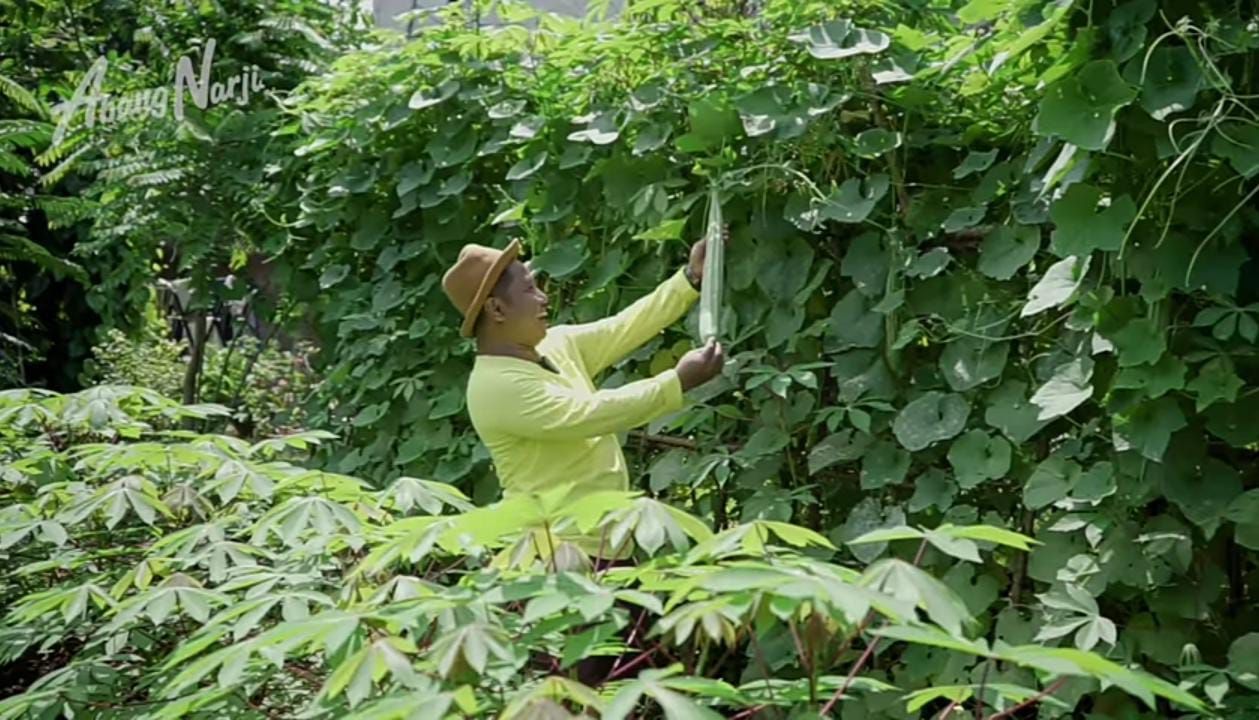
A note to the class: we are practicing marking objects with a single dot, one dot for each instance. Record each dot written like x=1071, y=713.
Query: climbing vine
x=991, y=263
x=987, y=264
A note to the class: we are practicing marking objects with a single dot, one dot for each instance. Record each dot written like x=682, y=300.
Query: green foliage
x=149, y=360
x=989, y=264
x=87, y=224
x=989, y=269
x=167, y=574
x=264, y=388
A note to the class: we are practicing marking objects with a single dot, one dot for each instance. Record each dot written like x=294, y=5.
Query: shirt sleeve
x=552, y=411
x=604, y=342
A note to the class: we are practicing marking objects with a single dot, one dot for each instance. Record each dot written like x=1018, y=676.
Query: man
x=531, y=394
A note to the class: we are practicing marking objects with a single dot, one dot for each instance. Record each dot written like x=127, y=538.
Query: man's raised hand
x=701, y=365
x=695, y=268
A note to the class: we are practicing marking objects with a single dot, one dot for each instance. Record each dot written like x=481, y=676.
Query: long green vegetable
x=710, y=293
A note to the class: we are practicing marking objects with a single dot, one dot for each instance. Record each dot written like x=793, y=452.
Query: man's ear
x=493, y=309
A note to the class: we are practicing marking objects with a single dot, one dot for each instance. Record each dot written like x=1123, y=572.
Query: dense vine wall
x=988, y=263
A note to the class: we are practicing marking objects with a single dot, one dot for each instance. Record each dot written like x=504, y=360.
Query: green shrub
x=148, y=360
x=162, y=574
x=265, y=388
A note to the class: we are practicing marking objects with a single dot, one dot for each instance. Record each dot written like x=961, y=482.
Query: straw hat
x=473, y=276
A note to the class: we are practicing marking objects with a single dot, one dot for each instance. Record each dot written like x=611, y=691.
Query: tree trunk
x=196, y=342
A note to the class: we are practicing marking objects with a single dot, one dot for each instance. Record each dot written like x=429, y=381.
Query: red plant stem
x=856, y=668
x=642, y=657
x=805, y=661
x=760, y=661
x=1053, y=688
x=874, y=644
x=629, y=643
x=861, y=627
x=947, y=711
x=743, y=714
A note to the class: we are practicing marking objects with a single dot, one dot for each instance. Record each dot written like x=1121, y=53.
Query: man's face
x=517, y=309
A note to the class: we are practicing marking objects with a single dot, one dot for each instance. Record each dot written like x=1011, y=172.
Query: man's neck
x=508, y=349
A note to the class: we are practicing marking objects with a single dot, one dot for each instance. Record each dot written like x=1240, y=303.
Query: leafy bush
x=162, y=574
x=88, y=223
x=267, y=388
x=148, y=360
x=264, y=387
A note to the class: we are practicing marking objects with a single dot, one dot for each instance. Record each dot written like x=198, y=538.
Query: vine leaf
x=969, y=362
x=1096, y=484
x=425, y=97
x=1051, y=481
x=854, y=199
x=1139, y=342
x=1080, y=227
x=1239, y=144
x=1126, y=27
x=977, y=456
x=1171, y=83
x=602, y=129
x=527, y=166
x=1204, y=504
x=840, y=39
x=1081, y=107
x=930, y=263
x=1065, y=390
x=563, y=258
x=1057, y=286
x=1149, y=428
x=876, y=141
x=884, y=464
x=1243, y=660
x=866, y=263
x=711, y=123
x=842, y=446
x=933, y=417
x=1007, y=249
x=975, y=162
x=1155, y=380
x=1216, y=381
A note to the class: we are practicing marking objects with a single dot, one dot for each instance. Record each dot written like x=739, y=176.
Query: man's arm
x=604, y=342
x=549, y=410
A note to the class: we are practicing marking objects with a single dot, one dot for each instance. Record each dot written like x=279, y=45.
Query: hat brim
x=487, y=285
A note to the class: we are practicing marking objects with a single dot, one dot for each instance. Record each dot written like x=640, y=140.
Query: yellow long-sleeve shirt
x=546, y=429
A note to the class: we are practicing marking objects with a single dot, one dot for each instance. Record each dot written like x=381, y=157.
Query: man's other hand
x=701, y=365
x=695, y=268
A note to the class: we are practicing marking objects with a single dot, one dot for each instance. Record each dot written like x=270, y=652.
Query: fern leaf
x=13, y=165
x=56, y=152
x=54, y=176
x=302, y=64
x=16, y=248
x=289, y=23
x=64, y=211
x=118, y=169
x=23, y=97
x=24, y=133
x=157, y=177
